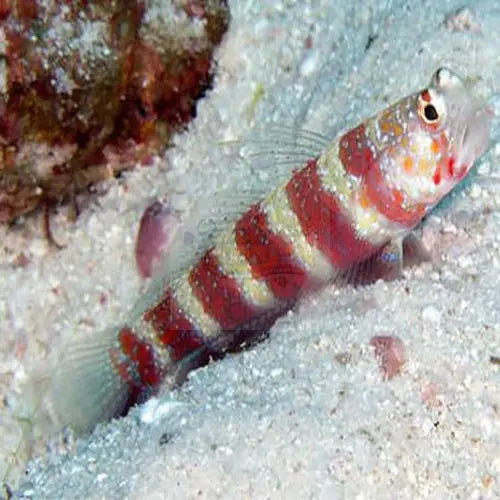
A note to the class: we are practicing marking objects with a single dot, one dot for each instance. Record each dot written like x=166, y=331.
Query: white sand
x=305, y=414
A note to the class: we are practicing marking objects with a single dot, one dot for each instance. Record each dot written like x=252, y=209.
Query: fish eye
x=430, y=113
x=431, y=108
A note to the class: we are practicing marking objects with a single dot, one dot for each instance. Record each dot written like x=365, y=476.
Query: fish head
x=446, y=131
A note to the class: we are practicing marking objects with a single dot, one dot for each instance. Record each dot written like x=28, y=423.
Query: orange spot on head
x=408, y=164
x=435, y=147
x=364, y=200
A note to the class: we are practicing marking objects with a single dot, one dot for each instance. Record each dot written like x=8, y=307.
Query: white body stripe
x=145, y=331
x=283, y=221
x=235, y=265
x=192, y=308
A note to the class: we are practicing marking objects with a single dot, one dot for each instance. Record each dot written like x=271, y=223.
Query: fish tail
x=83, y=386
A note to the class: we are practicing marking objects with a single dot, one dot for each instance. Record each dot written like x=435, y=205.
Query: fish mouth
x=471, y=134
x=467, y=122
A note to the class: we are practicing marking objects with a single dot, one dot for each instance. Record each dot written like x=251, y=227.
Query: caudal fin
x=83, y=386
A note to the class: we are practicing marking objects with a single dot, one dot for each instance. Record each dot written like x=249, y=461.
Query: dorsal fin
x=270, y=155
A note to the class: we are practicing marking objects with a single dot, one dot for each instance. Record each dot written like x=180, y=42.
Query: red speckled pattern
x=220, y=294
x=323, y=222
x=354, y=152
x=136, y=365
x=172, y=327
x=270, y=257
x=388, y=201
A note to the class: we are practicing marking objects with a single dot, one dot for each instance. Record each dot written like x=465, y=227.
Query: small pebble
x=156, y=230
x=431, y=395
x=431, y=314
x=391, y=354
x=484, y=168
x=475, y=192
x=154, y=409
x=310, y=64
x=465, y=261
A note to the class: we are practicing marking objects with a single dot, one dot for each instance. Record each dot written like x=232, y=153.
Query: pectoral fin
x=388, y=262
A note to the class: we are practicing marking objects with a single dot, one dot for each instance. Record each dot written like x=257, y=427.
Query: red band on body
x=219, y=294
x=173, y=328
x=135, y=362
x=269, y=255
x=322, y=220
x=354, y=151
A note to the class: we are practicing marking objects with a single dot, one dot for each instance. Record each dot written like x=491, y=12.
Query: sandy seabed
x=304, y=414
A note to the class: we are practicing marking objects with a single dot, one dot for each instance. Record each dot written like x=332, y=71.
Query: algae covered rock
x=89, y=88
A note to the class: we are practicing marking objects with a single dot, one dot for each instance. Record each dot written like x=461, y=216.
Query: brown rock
x=89, y=88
